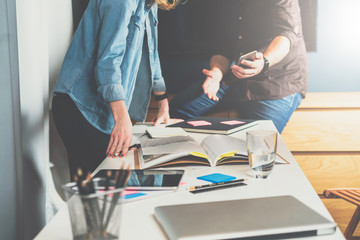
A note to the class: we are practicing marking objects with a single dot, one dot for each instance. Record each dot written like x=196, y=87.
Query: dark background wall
x=331, y=31
x=188, y=38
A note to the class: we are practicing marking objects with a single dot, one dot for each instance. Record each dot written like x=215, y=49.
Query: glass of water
x=261, y=148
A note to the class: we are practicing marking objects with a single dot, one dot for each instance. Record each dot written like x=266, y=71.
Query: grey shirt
x=247, y=25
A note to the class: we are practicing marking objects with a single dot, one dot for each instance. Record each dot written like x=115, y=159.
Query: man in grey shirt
x=271, y=86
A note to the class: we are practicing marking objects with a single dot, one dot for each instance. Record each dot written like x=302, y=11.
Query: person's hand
x=120, y=139
x=211, y=84
x=254, y=67
x=163, y=113
x=121, y=134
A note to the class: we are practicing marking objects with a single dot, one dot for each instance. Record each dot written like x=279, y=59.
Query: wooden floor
x=324, y=137
x=333, y=171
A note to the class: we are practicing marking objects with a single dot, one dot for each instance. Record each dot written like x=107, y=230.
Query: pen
x=214, y=185
x=136, y=146
x=222, y=186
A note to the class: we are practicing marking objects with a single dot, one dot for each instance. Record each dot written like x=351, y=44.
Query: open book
x=214, y=150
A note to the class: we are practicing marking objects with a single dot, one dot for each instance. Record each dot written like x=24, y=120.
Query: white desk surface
x=138, y=221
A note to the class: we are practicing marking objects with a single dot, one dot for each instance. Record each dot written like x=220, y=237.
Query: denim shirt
x=103, y=60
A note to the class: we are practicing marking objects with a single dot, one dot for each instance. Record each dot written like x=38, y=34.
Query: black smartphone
x=148, y=179
x=248, y=56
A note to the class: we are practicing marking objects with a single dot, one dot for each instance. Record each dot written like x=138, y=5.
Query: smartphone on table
x=248, y=56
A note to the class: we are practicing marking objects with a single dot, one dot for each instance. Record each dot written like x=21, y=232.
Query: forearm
x=119, y=111
x=163, y=106
x=158, y=93
x=277, y=50
x=121, y=134
x=219, y=65
x=164, y=103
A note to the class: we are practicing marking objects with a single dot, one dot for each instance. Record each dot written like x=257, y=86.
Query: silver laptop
x=270, y=217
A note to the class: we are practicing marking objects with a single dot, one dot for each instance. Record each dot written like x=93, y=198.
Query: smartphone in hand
x=248, y=56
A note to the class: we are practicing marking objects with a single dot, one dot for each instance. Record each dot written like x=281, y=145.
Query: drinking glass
x=261, y=148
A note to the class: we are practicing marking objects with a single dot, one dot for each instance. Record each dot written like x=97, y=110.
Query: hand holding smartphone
x=248, y=56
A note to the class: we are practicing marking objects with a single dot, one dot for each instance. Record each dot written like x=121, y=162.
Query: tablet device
x=148, y=179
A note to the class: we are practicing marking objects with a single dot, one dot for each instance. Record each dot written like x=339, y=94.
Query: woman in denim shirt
x=106, y=79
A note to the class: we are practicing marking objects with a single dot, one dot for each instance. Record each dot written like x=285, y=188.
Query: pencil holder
x=94, y=215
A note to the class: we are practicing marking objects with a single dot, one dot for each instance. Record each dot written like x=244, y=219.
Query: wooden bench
x=351, y=195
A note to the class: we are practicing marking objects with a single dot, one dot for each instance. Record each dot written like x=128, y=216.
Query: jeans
x=192, y=102
x=86, y=146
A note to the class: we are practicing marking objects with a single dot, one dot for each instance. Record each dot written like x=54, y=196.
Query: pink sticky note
x=232, y=122
x=198, y=123
x=124, y=193
x=128, y=192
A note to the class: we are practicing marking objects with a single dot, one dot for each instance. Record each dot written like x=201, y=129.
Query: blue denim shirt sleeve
x=112, y=47
x=159, y=83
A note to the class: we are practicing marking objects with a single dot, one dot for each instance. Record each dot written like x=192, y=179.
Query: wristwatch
x=266, y=66
x=161, y=97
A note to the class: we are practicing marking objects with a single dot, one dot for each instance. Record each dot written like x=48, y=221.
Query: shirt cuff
x=159, y=85
x=112, y=92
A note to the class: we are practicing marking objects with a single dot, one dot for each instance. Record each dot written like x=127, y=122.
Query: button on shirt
x=248, y=25
x=103, y=60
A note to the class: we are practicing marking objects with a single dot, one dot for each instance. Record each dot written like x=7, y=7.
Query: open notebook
x=214, y=125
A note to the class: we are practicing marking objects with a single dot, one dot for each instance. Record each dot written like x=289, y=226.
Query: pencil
x=94, y=206
x=107, y=182
x=120, y=183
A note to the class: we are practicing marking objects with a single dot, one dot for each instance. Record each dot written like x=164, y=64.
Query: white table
x=138, y=221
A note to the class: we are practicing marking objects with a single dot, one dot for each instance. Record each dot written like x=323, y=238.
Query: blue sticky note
x=217, y=177
x=134, y=195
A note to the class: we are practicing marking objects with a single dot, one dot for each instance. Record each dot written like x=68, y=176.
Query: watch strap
x=161, y=97
x=266, y=65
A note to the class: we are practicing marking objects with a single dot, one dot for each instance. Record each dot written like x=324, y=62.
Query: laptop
x=271, y=217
